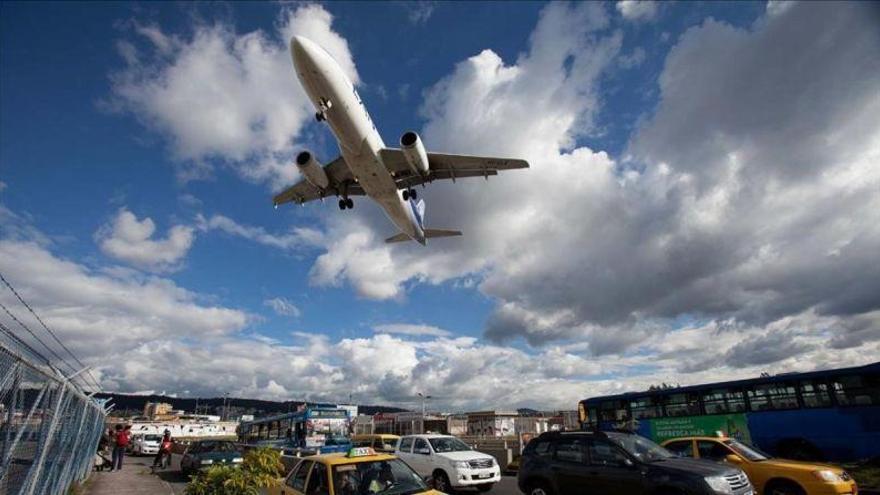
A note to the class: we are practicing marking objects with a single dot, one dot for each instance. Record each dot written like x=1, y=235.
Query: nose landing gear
x=409, y=193
x=346, y=203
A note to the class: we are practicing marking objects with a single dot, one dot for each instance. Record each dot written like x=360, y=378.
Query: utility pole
x=223, y=415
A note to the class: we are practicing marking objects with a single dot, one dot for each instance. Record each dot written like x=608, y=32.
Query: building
x=154, y=409
x=491, y=423
x=457, y=424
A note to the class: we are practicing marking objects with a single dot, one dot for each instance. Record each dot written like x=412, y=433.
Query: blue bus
x=831, y=415
x=310, y=430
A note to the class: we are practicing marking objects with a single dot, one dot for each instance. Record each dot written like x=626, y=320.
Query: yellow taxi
x=359, y=472
x=381, y=442
x=769, y=476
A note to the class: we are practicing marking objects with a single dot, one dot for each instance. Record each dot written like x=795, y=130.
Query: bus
x=310, y=430
x=831, y=415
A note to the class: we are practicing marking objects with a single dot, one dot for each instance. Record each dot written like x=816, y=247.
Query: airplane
x=367, y=167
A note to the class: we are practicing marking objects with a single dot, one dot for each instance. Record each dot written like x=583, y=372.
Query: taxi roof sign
x=361, y=452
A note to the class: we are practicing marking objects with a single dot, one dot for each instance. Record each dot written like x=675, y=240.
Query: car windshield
x=388, y=477
x=448, y=444
x=152, y=438
x=641, y=448
x=217, y=447
x=747, y=451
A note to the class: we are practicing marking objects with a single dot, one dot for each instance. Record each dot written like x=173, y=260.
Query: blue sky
x=140, y=145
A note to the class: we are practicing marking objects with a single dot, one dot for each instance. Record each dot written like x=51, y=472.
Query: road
x=177, y=481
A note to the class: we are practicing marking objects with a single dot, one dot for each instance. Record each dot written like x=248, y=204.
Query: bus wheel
x=783, y=487
x=540, y=488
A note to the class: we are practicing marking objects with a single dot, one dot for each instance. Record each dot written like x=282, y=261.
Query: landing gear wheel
x=342, y=204
x=412, y=194
x=405, y=195
x=319, y=116
x=441, y=482
x=349, y=203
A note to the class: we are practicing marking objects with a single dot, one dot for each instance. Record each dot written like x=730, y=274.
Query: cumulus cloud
x=637, y=10
x=218, y=94
x=749, y=194
x=282, y=306
x=410, y=329
x=131, y=240
x=298, y=237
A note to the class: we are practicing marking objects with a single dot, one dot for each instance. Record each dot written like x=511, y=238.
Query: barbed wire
x=46, y=327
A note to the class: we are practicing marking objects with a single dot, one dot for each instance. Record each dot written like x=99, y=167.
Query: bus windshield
x=747, y=451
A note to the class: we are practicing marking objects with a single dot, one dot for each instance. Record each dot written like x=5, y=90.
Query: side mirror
x=628, y=463
x=733, y=459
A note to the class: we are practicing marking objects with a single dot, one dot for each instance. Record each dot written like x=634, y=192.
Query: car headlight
x=237, y=459
x=827, y=476
x=206, y=461
x=461, y=465
x=718, y=484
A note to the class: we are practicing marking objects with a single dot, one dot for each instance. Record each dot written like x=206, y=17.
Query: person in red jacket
x=164, y=450
x=122, y=437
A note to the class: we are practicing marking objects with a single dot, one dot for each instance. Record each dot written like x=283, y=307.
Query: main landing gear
x=321, y=114
x=409, y=193
x=346, y=203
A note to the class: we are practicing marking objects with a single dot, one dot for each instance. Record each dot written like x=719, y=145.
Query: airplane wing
x=341, y=181
x=445, y=166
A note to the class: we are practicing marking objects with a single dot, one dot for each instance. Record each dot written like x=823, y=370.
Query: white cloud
x=736, y=200
x=410, y=329
x=637, y=10
x=298, y=237
x=131, y=240
x=419, y=11
x=220, y=94
x=282, y=306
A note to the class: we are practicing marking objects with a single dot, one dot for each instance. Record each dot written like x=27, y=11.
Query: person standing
x=122, y=439
x=164, y=450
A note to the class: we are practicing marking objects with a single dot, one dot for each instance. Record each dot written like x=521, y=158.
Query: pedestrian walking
x=122, y=437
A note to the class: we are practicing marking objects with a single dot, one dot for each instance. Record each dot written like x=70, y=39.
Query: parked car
x=206, y=453
x=361, y=471
x=770, y=476
x=145, y=444
x=574, y=463
x=380, y=442
x=450, y=462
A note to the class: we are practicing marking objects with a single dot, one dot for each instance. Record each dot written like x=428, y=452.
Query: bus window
x=645, y=407
x=682, y=405
x=771, y=396
x=856, y=390
x=612, y=410
x=815, y=394
x=723, y=400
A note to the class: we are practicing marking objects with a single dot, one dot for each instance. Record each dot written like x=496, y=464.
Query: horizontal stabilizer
x=429, y=233
x=401, y=237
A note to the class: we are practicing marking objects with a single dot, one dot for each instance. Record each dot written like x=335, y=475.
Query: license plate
x=484, y=476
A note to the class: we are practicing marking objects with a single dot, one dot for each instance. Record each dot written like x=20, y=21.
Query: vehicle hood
x=695, y=466
x=789, y=465
x=464, y=455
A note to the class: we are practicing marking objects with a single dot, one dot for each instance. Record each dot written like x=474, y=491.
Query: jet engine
x=415, y=153
x=312, y=170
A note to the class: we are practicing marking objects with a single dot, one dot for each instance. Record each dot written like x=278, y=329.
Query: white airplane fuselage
x=334, y=95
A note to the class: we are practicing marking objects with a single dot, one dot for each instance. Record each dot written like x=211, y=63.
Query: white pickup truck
x=450, y=462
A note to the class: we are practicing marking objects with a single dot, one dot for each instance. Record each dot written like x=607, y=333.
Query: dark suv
x=600, y=463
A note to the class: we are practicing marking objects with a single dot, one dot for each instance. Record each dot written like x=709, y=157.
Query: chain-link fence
x=49, y=428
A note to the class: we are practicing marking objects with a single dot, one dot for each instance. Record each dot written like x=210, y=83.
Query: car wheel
x=783, y=488
x=441, y=482
x=540, y=488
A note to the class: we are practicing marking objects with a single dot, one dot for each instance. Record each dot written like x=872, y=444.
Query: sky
x=703, y=201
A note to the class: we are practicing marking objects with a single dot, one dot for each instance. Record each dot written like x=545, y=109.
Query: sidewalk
x=133, y=479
